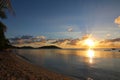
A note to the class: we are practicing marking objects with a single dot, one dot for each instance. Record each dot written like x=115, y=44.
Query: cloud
x=70, y=29
x=108, y=35
x=86, y=36
x=117, y=21
x=41, y=37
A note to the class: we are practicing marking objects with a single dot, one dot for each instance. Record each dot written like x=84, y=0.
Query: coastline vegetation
x=4, y=5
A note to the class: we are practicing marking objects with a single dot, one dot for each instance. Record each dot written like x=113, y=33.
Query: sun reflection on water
x=90, y=55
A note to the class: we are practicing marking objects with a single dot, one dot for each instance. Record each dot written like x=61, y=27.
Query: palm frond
x=2, y=14
x=6, y=4
x=9, y=7
x=3, y=27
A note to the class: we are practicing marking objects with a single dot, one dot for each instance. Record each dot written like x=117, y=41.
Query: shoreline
x=13, y=67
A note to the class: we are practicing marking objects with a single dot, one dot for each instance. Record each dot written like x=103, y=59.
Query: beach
x=13, y=67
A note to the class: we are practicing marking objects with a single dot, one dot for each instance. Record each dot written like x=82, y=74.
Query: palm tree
x=4, y=4
x=2, y=36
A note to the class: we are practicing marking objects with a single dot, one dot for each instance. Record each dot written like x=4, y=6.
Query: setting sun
x=89, y=42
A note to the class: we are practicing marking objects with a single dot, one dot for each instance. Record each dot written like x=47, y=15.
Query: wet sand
x=12, y=67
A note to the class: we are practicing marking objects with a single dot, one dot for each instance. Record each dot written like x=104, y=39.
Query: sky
x=64, y=18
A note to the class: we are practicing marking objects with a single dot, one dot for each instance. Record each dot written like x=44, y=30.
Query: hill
x=50, y=47
x=26, y=47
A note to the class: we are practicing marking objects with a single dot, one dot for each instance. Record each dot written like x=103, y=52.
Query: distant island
x=43, y=47
x=26, y=47
x=49, y=47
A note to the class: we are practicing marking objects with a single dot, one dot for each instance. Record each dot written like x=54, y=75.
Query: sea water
x=81, y=64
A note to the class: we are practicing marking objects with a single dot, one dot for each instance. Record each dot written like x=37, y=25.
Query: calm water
x=81, y=64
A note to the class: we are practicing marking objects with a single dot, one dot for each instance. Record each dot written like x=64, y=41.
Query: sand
x=12, y=67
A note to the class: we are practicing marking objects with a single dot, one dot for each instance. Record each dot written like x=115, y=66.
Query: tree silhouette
x=4, y=5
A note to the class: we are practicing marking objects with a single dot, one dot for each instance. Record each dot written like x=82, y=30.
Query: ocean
x=100, y=64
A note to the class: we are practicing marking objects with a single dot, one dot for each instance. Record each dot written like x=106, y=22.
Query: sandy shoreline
x=14, y=68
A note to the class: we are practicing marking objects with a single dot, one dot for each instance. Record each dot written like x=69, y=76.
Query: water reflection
x=90, y=55
x=83, y=64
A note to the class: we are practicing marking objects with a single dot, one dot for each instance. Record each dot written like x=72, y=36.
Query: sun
x=89, y=42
